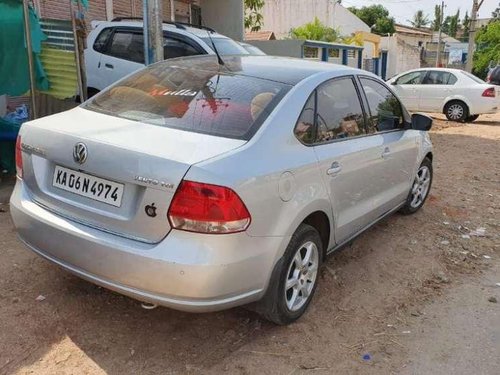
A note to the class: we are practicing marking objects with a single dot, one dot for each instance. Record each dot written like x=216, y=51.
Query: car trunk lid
x=147, y=161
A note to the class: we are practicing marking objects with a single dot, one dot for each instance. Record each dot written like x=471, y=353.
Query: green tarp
x=14, y=71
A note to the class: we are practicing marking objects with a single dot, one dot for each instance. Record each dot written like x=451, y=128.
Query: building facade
x=225, y=16
x=280, y=16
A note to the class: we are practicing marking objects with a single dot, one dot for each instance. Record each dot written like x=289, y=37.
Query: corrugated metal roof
x=60, y=67
x=58, y=58
x=59, y=34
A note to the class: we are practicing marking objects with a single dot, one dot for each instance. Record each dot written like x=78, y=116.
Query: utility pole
x=172, y=11
x=441, y=20
x=472, y=34
x=153, y=31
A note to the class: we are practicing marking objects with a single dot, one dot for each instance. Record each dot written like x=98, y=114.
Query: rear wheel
x=472, y=118
x=420, y=188
x=456, y=110
x=291, y=292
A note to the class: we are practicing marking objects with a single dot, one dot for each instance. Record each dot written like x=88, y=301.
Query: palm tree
x=420, y=19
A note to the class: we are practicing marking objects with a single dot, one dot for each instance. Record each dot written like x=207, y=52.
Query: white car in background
x=460, y=95
x=115, y=49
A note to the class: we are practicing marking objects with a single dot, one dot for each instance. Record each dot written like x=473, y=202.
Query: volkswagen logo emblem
x=80, y=153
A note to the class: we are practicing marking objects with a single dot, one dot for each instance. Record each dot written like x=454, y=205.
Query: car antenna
x=219, y=59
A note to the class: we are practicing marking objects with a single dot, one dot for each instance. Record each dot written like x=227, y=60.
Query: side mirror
x=421, y=122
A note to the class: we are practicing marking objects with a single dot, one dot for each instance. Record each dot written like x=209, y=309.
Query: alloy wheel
x=420, y=187
x=455, y=111
x=301, y=276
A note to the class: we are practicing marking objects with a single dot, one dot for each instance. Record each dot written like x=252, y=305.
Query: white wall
x=282, y=15
x=401, y=55
x=225, y=16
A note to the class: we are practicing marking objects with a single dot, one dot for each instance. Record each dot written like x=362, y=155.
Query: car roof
x=199, y=32
x=286, y=70
x=451, y=70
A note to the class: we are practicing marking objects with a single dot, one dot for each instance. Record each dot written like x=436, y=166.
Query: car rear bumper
x=186, y=271
x=487, y=106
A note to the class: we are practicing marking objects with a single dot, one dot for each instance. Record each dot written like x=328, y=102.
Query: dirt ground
x=410, y=296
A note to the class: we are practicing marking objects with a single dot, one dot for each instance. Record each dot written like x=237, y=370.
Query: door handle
x=386, y=153
x=109, y=66
x=334, y=169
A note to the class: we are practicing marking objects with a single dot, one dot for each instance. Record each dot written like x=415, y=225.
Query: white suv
x=116, y=49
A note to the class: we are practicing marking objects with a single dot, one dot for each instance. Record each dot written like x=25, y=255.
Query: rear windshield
x=216, y=103
x=225, y=46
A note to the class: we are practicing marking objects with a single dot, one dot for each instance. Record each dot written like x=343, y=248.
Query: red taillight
x=19, y=158
x=489, y=93
x=205, y=208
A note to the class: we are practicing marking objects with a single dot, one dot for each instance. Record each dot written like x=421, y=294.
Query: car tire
x=420, y=188
x=284, y=300
x=472, y=118
x=456, y=110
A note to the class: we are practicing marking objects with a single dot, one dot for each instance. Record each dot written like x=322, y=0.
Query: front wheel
x=296, y=283
x=420, y=188
x=456, y=111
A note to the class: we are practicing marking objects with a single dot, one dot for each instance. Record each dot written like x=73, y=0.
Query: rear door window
x=204, y=101
x=305, y=128
x=438, y=77
x=386, y=112
x=127, y=45
x=338, y=113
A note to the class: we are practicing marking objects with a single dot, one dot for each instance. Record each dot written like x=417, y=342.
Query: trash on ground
x=442, y=278
x=40, y=298
x=465, y=236
x=367, y=357
x=445, y=242
x=406, y=332
x=479, y=232
x=497, y=284
x=486, y=257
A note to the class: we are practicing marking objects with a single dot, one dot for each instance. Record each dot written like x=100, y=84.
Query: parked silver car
x=201, y=186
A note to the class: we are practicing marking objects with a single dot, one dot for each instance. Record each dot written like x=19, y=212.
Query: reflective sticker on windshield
x=167, y=92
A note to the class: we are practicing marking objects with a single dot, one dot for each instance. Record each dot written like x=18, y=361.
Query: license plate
x=88, y=186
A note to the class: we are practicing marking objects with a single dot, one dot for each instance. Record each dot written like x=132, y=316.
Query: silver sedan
x=202, y=185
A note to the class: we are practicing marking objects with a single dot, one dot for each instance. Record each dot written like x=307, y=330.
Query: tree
x=466, y=27
x=437, y=18
x=377, y=17
x=420, y=19
x=253, y=15
x=315, y=30
x=488, y=42
x=453, y=24
x=445, y=27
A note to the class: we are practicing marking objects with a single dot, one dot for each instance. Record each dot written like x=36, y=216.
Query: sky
x=403, y=10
